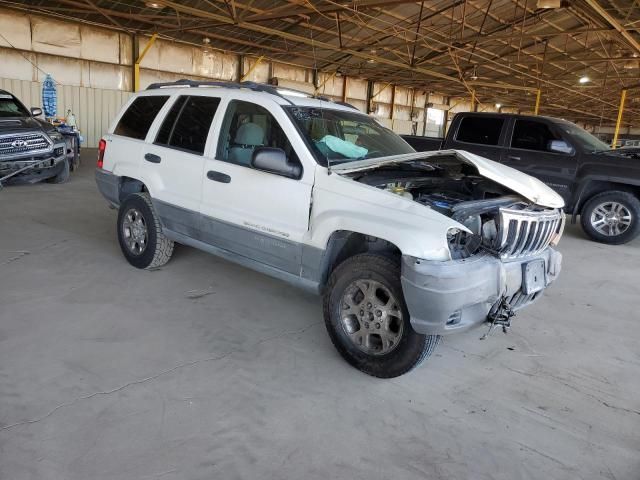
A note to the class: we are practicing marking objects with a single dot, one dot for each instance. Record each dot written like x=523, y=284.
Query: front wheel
x=368, y=321
x=140, y=234
x=612, y=217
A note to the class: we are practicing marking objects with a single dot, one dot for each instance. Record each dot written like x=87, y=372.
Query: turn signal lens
x=102, y=146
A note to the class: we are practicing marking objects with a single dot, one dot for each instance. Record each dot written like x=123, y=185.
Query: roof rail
x=256, y=87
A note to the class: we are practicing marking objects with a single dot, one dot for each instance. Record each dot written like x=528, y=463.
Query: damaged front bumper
x=452, y=296
x=33, y=169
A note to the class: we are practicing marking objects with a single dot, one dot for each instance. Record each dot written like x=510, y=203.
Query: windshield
x=9, y=107
x=340, y=136
x=587, y=141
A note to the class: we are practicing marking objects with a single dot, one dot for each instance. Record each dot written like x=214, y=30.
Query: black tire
x=410, y=349
x=607, y=234
x=63, y=176
x=156, y=249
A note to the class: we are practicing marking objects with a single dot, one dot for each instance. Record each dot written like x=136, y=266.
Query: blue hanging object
x=49, y=97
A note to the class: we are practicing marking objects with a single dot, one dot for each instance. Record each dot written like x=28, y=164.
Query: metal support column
x=251, y=68
x=537, y=109
x=623, y=97
x=136, y=66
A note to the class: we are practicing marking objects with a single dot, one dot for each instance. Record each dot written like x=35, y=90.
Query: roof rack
x=256, y=87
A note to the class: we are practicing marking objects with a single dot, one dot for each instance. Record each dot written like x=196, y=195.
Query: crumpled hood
x=529, y=187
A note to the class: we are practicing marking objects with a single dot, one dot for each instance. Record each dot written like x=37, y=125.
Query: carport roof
x=503, y=49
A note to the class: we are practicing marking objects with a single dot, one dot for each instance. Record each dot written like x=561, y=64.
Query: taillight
x=102, y=146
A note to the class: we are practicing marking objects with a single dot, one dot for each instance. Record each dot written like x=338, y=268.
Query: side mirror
x=274, y=160
x=560, y=146
x=36, y=112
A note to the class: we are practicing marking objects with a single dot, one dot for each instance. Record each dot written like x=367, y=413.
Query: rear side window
x=532, y=135
x=480, y=130
x=137, y=120
x=187, y=124
x=169, y=121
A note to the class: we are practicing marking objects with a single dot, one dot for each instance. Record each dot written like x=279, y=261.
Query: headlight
x=462, y=244
x=56, y=137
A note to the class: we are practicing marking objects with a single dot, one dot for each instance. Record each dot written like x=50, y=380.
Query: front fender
x=341, y=204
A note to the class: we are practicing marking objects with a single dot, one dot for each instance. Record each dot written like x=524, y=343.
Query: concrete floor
x=206, y=370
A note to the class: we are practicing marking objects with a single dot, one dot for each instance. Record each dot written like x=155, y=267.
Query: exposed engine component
x=399, y=189
x=499, y=221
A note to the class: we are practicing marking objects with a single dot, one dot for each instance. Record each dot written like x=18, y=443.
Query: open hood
x=529, y=187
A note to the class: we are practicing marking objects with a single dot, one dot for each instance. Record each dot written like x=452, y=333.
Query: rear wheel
x=140, y=234
x=368, y=321
x=612, y=217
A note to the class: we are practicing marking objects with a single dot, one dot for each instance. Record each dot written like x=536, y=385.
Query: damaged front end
x=30, y=157
x=500, y=254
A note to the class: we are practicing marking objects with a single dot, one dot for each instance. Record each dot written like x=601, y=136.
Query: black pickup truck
x=30, y=149
x=597, y=183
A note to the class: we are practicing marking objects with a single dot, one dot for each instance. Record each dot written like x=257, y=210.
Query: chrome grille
x=29, y=143
x=523, y=233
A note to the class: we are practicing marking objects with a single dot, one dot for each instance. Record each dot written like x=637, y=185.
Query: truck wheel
x=611, y=217
x=63, y=176
x=140, y=234
x=368, y=321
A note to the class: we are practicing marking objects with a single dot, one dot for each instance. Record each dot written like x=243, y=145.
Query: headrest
x=250, y=134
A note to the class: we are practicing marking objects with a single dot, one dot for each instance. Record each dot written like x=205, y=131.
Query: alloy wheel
x=371, y=317
x=134, y=229
x=611, y=218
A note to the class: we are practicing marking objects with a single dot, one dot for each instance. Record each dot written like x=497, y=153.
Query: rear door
x=126, y=142
x=530, y=149
x=174, y=160
x=256, y=214
x=479, y=134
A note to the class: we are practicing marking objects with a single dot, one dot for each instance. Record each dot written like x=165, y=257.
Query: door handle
x=150, y=157
x=513, y=157
x=218, y=176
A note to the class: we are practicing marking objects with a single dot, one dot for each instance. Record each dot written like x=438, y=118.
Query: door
x=256, y=214
x=130, y=133
x=540, y=150
x=479, y=134
x=174, y=162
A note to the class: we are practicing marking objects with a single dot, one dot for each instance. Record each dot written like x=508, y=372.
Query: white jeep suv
x=403, y=246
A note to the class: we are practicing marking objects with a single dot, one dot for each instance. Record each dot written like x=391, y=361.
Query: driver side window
x=532, y=135
x=247, y=127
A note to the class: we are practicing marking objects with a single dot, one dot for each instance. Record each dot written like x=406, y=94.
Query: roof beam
x=304, y=40
x=287, y=11
x=101, y=12
x=615, y=24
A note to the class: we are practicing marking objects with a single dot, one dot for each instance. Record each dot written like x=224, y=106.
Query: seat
x=248, y=137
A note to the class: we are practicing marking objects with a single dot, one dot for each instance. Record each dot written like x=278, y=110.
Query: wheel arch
x=344, y=244
x=128, y=186
x=593, y=186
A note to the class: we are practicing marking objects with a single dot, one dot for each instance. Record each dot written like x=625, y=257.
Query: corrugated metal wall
x=93, y=67
x=94, y=108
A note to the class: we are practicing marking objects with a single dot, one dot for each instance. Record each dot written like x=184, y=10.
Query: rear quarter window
x=137, y=120
x=480, y=130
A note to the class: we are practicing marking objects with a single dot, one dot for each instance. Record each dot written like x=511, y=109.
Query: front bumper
x=44, y=166
x=453, y=296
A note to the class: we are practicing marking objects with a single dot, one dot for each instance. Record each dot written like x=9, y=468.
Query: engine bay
x=456, y=190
